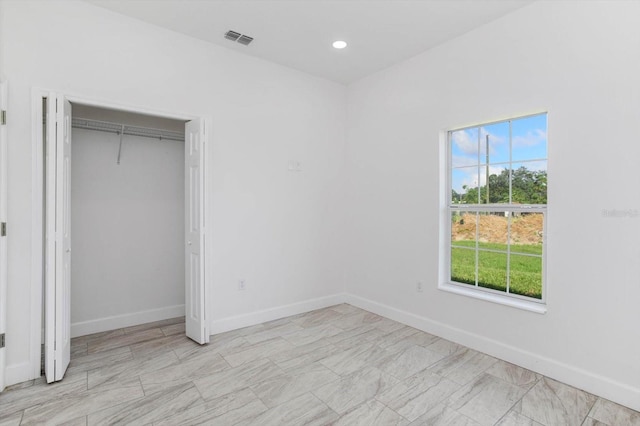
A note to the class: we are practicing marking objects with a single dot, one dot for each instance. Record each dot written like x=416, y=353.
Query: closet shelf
x=105, y=126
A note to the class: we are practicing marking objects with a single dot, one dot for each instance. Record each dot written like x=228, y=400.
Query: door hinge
x=3, y=229
x=1, y=340
x=3, y=117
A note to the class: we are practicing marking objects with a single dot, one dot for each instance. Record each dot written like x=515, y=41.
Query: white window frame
x=447, y=208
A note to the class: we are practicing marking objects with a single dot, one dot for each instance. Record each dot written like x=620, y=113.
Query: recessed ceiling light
x=339, y=44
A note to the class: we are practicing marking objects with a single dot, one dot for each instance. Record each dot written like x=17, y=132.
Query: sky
x=529, y=142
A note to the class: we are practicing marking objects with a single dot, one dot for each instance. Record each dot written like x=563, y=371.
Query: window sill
x=539, y=308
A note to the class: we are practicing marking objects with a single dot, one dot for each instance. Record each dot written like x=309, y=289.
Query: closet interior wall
x=127, y=224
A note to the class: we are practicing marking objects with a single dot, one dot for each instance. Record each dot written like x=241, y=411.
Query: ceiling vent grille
x=232, y=35
x=236, y=36
x=244, y=39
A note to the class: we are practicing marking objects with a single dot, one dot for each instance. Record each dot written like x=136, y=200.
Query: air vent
x=245, y=40
x=232, y=35
x=236, y=36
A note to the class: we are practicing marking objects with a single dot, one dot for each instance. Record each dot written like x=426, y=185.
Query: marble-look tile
x=355, y=388
x=123, y=340
x=463, y=366
x=227, y=410
x=17, y=400
x=151, y=408
x=441, y=415
x=486, y=399
x=160, y=345
x=105, y=335
x=589, y=421
x=217, y=344
x=316, y=318
x=79, y=404
x=555, y=404
x=79, y=421
x=170, y=330
x=348, y=322
x=371, y=413
x=194, y=367
x=11, y=420
x=304, y=410
x=128, y=369
x=389, y=326
x=100, y=360
x=444, y=347
x=306, y=357
x=409, y=362
x=310, y=335
x=346, y=309
x=513, y=418
x=280, y=389
x=418, y=394
x=612, y=414
x=513, y=374
x=352, y=359
x=155, y=324
x=239, y=356
x=236, y=378
x=272, y=332
x=78, y=349
x=418, y=338
x=356, y=336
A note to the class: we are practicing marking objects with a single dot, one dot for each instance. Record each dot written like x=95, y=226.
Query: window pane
x=463, y=265
x=525, y=274
x=463, y=229
x=497, y=137
x=529, y=138
x=462, y=183
x=529, y=183
x=498, y=184
x=527, y=233
x=464, y=147
x=492, y=270
x=492, y=231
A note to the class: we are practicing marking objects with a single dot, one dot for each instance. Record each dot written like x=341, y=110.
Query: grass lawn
x=525, y=271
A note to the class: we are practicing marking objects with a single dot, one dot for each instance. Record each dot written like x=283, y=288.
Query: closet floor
x=338, y=365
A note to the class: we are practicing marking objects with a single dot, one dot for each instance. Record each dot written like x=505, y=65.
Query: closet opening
x=123, y=234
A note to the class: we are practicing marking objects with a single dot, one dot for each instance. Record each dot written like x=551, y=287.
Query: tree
x=527, y=187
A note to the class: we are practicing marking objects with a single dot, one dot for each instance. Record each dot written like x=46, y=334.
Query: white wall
x=127, y=227
x=276, y=229
x=579, y=61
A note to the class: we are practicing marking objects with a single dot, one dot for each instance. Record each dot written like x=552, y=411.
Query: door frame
x=38, y=192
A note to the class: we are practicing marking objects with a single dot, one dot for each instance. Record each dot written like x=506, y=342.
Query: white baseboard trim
x=126, y=320
x=18, y=373
x=613, y=390
x=258, y=317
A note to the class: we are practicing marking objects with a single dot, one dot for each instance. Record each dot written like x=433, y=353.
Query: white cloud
x=467, y=142
x=532, y=138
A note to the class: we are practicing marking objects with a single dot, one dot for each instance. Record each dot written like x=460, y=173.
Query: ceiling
x=299, y=33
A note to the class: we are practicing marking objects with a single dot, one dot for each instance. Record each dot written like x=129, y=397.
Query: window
x=497, y=200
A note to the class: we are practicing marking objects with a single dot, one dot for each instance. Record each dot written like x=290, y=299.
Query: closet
x=127, y=219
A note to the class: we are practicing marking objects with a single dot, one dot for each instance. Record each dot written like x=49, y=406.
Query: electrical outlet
x=241, y=285
x=419, y=286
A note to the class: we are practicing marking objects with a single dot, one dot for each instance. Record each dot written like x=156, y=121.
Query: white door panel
x=58, y=238
x=195, y=318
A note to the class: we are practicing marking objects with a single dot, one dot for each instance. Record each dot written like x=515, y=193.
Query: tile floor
x=340, y=365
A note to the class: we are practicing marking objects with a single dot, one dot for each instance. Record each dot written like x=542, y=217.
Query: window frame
x=448, y=208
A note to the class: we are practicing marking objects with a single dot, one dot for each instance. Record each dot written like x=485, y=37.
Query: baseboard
x=258, y=317
x=618, y=392
x=126, y=320
x=18, y=373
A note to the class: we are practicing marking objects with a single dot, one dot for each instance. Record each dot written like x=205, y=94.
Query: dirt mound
x=525, y=228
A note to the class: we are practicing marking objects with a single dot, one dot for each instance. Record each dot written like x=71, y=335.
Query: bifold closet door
x=58, y=238
x=195, y=318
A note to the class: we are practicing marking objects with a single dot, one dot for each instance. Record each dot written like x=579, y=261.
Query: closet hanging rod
x=105, y=126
